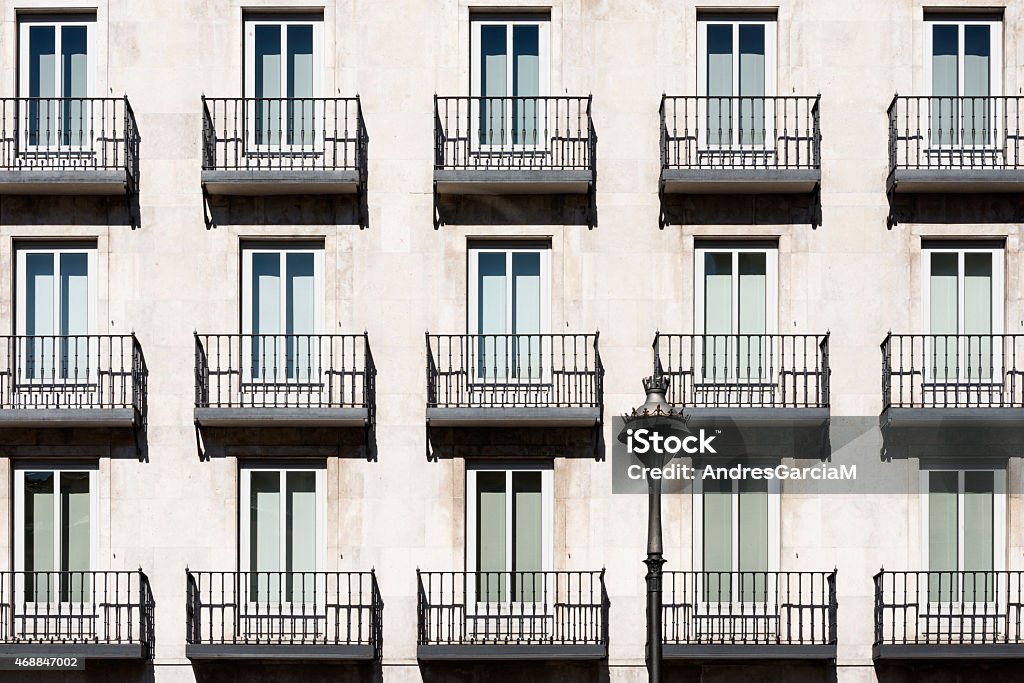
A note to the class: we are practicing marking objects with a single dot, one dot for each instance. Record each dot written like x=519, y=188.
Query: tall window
x=283, y=60
x=963, y=63
x=55, y=531
x=736, y=73
x=965, y=527
x=56, y=66
x=56, y=310
x=736, y=301
x=963, y=308
x=282, y=306
x=509, y=297
x=282, y=530
x=509, y=525
x=738, y=524
x=510, y=60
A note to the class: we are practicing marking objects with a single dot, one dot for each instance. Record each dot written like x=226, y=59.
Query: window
x=736, y=291
x=736, y=74
x=964, y=530
x=963, y=309
x=55, y=531
x=282, y=308
x=963, y=63
x=56, y=310
x=509, y=525
x=282, y=530
x=510, y=60
x=56, y=71
x=509, y=298
x=283, y=60
x=737, y=537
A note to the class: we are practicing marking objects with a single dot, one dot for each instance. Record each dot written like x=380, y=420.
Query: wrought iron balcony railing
x=514, y=134
x=565, y=610
x=744, y=370
x=284, y=371
x=75, y=372
x=231, y=613
x=87, y=613
x=514, y=370
x=71, y=137
x=948, y=610
x=749, y=609
x=747, y=133
x=952, y=371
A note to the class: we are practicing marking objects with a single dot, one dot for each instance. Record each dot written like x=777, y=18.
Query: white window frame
x=998, y=256
x=995, y=74
x=25, y=23
x=544, y=83
x=546, y=469
x=282, y=23
x=19, y=516
x=770, y=74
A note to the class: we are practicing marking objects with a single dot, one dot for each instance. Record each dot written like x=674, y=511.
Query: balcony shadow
x=328, y=210
x=514, y=672
x=943, y=208
x=789, y=671
x=97, y=671
x=976, y=669
x=43, y=210
x=288, y=442
x=306, y=670
x=73, y=442
x=525, y=209
x=741, y=209
x=515, y=442
x=951, y=438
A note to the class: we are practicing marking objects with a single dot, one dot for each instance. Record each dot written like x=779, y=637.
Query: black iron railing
x=75, y=371
x=52, y=134
x=77, y=607
x=744, y=370
x=750, y=608
x=719, y=132
x=948, y=608
x=284, y=134
x=955, y=133
x=512, y=608
x=284, y=371
x=513, y=370
x=283, y=608
x=513, y=133
x=953, y=371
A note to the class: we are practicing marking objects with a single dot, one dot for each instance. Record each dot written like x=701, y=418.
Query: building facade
x=318, y=323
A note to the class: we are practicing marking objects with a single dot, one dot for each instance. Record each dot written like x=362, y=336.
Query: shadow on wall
x=96, y=671
x=285, y=672
x=284, y=210
x=741, y=209
x=515, y=672
x=751, y=672
x=561, y=209
x=944, y=208
x=70, y=210
x=951, y=672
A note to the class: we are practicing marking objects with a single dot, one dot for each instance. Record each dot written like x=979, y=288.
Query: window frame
x=774, y=520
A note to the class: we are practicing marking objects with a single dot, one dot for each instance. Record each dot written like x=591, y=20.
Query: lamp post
x=657, y=417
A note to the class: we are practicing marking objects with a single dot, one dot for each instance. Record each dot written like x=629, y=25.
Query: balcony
x=513, y=145
x=732, y=616
x=84, y=614
x=948, y=615
x=283, y=146
x=955, y=144
x=293, y=616
x=493, y=616
x=747, y=379
x=68, y=146
x=73, y=381
x=284, y=380
x=955, y=379
x=740, y=145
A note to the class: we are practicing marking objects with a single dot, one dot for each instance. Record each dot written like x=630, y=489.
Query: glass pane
x=717, y=315
x=300, y=526
x=300, y=84
x=752, y=84
x=39, y=536
x=265, y=535
x=526, y=306
x=74, y=73
x=720, y=86
x=268, y=84
x=942, y=535
x=266, y=314
x=492, y=317
x=753, y=362
x=753, y=540
x=74, y=316
x=300, y=301
x=945, y=115
x=493, y=84
x=75, y=537
x=978, y=304
x=979, y=536
x=526, y=80
x=40, y=318
x=527, y=535
x=977, y=86
x=42, y=83
x=490, y=536
x=717, y=532
x=943, y=307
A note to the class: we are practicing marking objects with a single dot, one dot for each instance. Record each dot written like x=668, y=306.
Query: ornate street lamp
x=658, y=418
